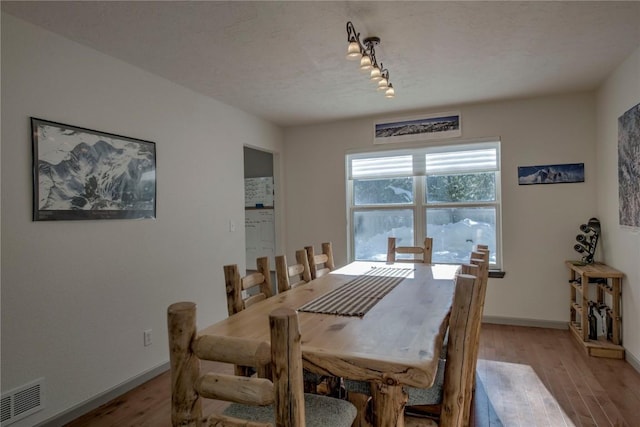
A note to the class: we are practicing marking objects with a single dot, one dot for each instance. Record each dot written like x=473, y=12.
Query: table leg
x=388, y=405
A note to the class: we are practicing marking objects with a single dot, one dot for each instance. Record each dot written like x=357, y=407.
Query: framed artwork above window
x=418, y=128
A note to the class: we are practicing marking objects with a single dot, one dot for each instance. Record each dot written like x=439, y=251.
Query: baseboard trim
x=517, y=321
x=77, y=411
x=631, y=360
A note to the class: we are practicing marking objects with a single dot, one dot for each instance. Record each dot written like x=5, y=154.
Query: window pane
x=463, y=160
x=375, y=167
x=456, y=231
x=472, y=187
x=382, y=191
x=372, y=228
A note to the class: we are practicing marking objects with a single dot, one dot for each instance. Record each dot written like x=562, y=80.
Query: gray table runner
x=357, y=296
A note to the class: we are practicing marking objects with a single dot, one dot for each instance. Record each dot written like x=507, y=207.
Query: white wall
x=540, y=222
x=621, y=246
x=77, y=295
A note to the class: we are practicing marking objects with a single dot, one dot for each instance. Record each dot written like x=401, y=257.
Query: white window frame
x=419, y=174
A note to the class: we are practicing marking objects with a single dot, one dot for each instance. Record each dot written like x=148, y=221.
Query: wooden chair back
x=320, y=264
x=480, y=259
x=235, y=285
x=290, y=276
x=460, y=366
x=189, y=386
x=451, y=403
x=480, y=253
x=420, y=253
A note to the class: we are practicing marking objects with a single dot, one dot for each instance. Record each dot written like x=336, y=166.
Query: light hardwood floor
x=526, y=377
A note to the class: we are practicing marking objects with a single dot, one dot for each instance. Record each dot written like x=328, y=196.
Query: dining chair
x=301, y=274
x=480, y=257
x=478, y=266
x=256, y=402
x=259, y=284
x=320, y=264
x=290, y=276
x=420, y=253
x=452, y=384
x=425, y=405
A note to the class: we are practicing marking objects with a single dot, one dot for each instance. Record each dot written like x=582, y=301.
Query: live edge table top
x=396, y=342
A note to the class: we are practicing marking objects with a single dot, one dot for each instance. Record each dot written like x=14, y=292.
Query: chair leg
x=419, y=422
x=310, y=386
x=429, y=411
x=331, y=386
x=265, y=371
x=362, y=403
x=243, y=371
x=312, y=382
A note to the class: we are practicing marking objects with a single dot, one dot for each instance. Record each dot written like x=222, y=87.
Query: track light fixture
x=365, y=52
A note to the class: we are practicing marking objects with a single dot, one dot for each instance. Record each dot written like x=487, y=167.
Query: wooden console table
x=608, y=291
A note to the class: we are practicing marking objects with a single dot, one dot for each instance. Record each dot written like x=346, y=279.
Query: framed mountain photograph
x=81, y=174
x=418, y=128
x=629, y=167
x=551, y=174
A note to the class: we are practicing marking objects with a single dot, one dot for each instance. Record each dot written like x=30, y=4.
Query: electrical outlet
x=147, y=337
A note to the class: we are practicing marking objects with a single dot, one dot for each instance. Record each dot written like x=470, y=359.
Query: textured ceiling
x=285, y=61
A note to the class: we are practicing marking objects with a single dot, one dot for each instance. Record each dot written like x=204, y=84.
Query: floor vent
x=21, y=402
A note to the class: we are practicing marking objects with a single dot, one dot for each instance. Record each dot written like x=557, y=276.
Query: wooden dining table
x=397, y=342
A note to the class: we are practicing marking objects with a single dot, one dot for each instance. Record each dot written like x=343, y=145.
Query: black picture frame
x=628, y=173
x=551, y=174
x=418, y=128
x=85, y=174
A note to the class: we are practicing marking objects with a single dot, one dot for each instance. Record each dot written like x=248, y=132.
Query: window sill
x=497, y=274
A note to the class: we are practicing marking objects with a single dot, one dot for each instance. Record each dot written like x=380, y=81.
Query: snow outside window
x=450, y=193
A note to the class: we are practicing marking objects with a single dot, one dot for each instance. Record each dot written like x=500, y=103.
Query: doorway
x=259, y=207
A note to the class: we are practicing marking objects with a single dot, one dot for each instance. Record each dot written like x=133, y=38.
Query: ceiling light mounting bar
x=365, y=52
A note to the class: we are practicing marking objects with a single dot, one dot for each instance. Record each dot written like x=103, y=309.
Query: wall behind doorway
x=257, y=163
x=260, y=227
